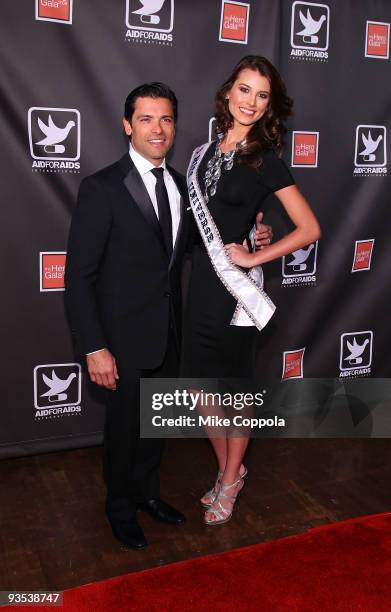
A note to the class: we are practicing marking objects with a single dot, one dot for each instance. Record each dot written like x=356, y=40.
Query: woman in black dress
x=228, y=181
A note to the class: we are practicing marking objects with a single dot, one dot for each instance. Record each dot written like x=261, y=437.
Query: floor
x=54, y=535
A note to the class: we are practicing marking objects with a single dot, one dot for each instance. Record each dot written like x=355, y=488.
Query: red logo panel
x=305, y=149
x=377, y=39
x=52, y=268
x=362, y=255
x=234, y=22
x=293, y=364
x=54, y=10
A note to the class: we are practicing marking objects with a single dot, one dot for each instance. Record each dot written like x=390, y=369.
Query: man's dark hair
x=150, y=90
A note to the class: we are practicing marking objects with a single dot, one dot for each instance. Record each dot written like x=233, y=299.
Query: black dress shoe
x=161, y=511
x=129, y=533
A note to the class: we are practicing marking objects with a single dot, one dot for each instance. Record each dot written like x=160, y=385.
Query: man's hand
x=102, y=369
x=263, y=233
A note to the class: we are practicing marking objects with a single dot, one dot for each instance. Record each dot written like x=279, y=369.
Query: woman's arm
x=307, y=230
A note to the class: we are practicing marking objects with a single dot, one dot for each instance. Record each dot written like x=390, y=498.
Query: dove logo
x=362, y=255
x=150, y=21
x=293, y=364
x=371, y=151
x=356, y=354
x=57, y=389
x=310, y=31
x=59, y=11
x=377, y=40
x=51, y=270
x=234, y=22
x=54, y=137
x=305, y=146
x=299, y=268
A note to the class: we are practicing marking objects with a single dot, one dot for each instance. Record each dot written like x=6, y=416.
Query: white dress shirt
x=144, y=168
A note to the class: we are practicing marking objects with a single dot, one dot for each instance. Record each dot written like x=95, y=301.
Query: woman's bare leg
x=234, y=469
x=220, y=446
x=236, y=447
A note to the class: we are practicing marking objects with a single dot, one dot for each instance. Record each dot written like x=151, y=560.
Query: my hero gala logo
x=305, y=146
x=234, y=22
x=293, y=364
x=362, y=255
x=59, y=11
x=370, y=157
x=54, y=139
x=310, y=24
x=57, y=390
x=51, y=270
x=356, y=354
x=377, y=40
x=150, y=21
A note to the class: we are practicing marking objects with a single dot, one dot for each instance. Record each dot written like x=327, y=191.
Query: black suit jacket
x=122, y=288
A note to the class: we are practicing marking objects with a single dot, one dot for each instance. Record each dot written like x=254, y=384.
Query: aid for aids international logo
x=57, y=390
x=377, y=40
x=150, y=21
x=299, y=267
x=59, y=11
x=293, y=364
x=51, y=270
x=356, y=354
x=54, y=138
x=310, y=25
x=305, y=146
x=370, y=156
x=362, y=255
x=234, y=22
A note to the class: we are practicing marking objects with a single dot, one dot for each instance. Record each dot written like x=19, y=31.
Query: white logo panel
x=301, y=262
x=54, y=133
x=56, y=385
x=370, y=148
x=310, y=26
x=356, y=350
x=156, y=15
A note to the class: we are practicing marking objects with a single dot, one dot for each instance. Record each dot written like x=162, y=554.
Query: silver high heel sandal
x=220, y=514
x=212, y=494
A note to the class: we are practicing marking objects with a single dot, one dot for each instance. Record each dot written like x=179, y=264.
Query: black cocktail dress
x=212, y=347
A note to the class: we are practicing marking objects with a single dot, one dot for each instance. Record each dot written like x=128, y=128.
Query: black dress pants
x=131, y=463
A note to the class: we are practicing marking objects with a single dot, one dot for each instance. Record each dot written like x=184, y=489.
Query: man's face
x=152, y=128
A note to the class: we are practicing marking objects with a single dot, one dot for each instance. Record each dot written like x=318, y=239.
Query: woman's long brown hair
x=270, y=130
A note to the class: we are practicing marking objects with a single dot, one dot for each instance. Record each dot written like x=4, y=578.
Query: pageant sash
x=254, y=307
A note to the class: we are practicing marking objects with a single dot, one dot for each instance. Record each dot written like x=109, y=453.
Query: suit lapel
x=136, y=188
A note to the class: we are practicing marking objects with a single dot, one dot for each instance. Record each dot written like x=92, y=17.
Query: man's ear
x=127, y=127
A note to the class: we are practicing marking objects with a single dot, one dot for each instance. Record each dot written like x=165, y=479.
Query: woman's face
x=248, y=97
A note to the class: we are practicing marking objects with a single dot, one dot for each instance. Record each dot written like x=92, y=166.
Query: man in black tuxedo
x=124, y=257
x=126, y=244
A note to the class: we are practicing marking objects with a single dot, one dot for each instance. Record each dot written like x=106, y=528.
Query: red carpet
x=344, y=566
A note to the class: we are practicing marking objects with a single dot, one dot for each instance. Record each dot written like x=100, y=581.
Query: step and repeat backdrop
x=67, y=66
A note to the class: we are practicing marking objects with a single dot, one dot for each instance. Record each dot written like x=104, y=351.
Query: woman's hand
x=239, y=255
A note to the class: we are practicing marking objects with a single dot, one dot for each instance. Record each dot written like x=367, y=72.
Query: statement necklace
x=215, y=164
